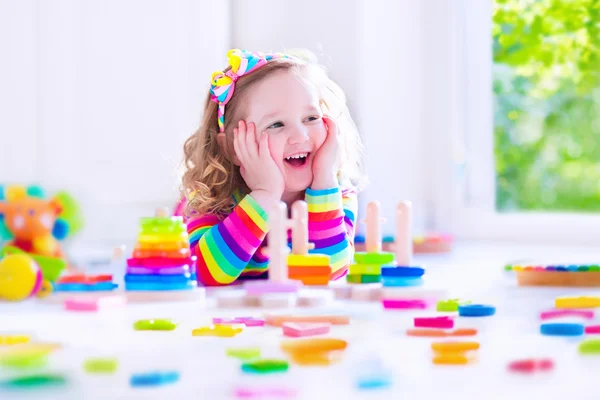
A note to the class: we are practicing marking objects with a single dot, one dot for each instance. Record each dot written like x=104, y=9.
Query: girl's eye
x=275, y=125
x=313, y=118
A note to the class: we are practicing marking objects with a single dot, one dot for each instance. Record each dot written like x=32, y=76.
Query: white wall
x=98, y=96
x=362, y=43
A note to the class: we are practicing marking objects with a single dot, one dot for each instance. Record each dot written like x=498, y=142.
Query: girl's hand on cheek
x=327, y=160
x=259, y=170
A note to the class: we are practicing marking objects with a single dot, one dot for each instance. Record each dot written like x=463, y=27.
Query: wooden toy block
x=363, y=278
x=278, y=320
x=278, y=300
x=300, y=272
x=364, y=269
x=379, y=258
x=308, y=260
x=94, y=304
x=295, y=329
x=558, y=278
x=313, y=280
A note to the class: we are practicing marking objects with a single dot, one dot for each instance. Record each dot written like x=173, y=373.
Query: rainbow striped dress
x=230, y=247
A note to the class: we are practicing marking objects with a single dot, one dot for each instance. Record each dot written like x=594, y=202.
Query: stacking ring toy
x=476, y=310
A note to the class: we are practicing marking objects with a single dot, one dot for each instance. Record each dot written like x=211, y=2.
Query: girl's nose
x=298, y=135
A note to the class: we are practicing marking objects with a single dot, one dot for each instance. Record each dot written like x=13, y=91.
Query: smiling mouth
x=297, y=160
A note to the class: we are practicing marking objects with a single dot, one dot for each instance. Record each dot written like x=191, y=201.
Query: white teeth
x=300, y=155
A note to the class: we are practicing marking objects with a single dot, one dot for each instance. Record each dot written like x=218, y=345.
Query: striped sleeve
x=331, y=219
x=224, y=247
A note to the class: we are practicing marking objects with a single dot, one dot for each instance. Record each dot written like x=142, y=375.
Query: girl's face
x=286, y=106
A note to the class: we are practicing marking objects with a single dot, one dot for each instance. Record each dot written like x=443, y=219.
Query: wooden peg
x=161, y=212
x=277, y=239
x=118, y=253
x=299, y=226
x=373, y=221
x=404, y=246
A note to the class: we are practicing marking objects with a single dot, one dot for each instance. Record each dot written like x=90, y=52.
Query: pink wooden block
x=404, y=304
x=267, y=286
x=434, y=322
x=592, y=329
x=265, y=393
x=248, y=321
x=550, y=314
x=93, y=304
x=295, y=329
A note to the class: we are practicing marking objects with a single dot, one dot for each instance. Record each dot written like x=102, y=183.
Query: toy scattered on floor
x=577, y=302
x=476, y=310
x=531, y=365
x=154, y=325
x=278, y=320
x=9, y=340
x=592, y=330
x=36, y=224
x=263, y=393
x=21, y=278
x=34, y=381
x=590, y=347
x=100, y=365
x=453, y=353
x=444, y=322
x=562, y=329
x=85, y=283
x=450, y=305
x=552, y=314
x=556, y=275
x=372, y=374
x=161, y=259
x=85, y=304
x=265, y=366
x=158, y=378
x=295, y=329
x=244, y=353
x=314, y=351
x=247, y=321
x=219, y=330
x=441, y=332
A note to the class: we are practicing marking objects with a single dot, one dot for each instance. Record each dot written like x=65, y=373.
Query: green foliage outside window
x=546, y=74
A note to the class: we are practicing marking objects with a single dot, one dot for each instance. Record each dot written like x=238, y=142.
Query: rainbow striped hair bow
x=242, y=62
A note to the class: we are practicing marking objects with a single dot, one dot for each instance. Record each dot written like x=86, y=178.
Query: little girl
x=275, y=128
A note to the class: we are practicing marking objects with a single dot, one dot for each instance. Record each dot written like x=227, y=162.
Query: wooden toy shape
x=373, y=221
x=299, y=226
x=277, y=239
x=162, y=212
x=404, y=245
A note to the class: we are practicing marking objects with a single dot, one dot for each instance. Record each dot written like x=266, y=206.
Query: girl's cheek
x=319, y=134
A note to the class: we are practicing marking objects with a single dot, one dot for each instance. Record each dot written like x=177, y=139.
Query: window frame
x=465, y=194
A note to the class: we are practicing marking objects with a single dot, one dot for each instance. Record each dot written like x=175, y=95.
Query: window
x=521, y=108
x=546, y=99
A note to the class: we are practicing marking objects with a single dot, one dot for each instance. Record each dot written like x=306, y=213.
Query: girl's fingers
x=331, y=125
x=236, y=145
x=251, y=142
x=241, y=137
x=263, y=146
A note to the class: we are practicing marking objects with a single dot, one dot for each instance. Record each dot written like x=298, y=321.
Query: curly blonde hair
x=211, y=177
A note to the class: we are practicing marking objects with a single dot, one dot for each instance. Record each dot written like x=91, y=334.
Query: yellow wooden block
x=307, y=260
x=220, y=330
x=577, y=302
x=15, y=193
x=9, y=340
x=364, y=269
